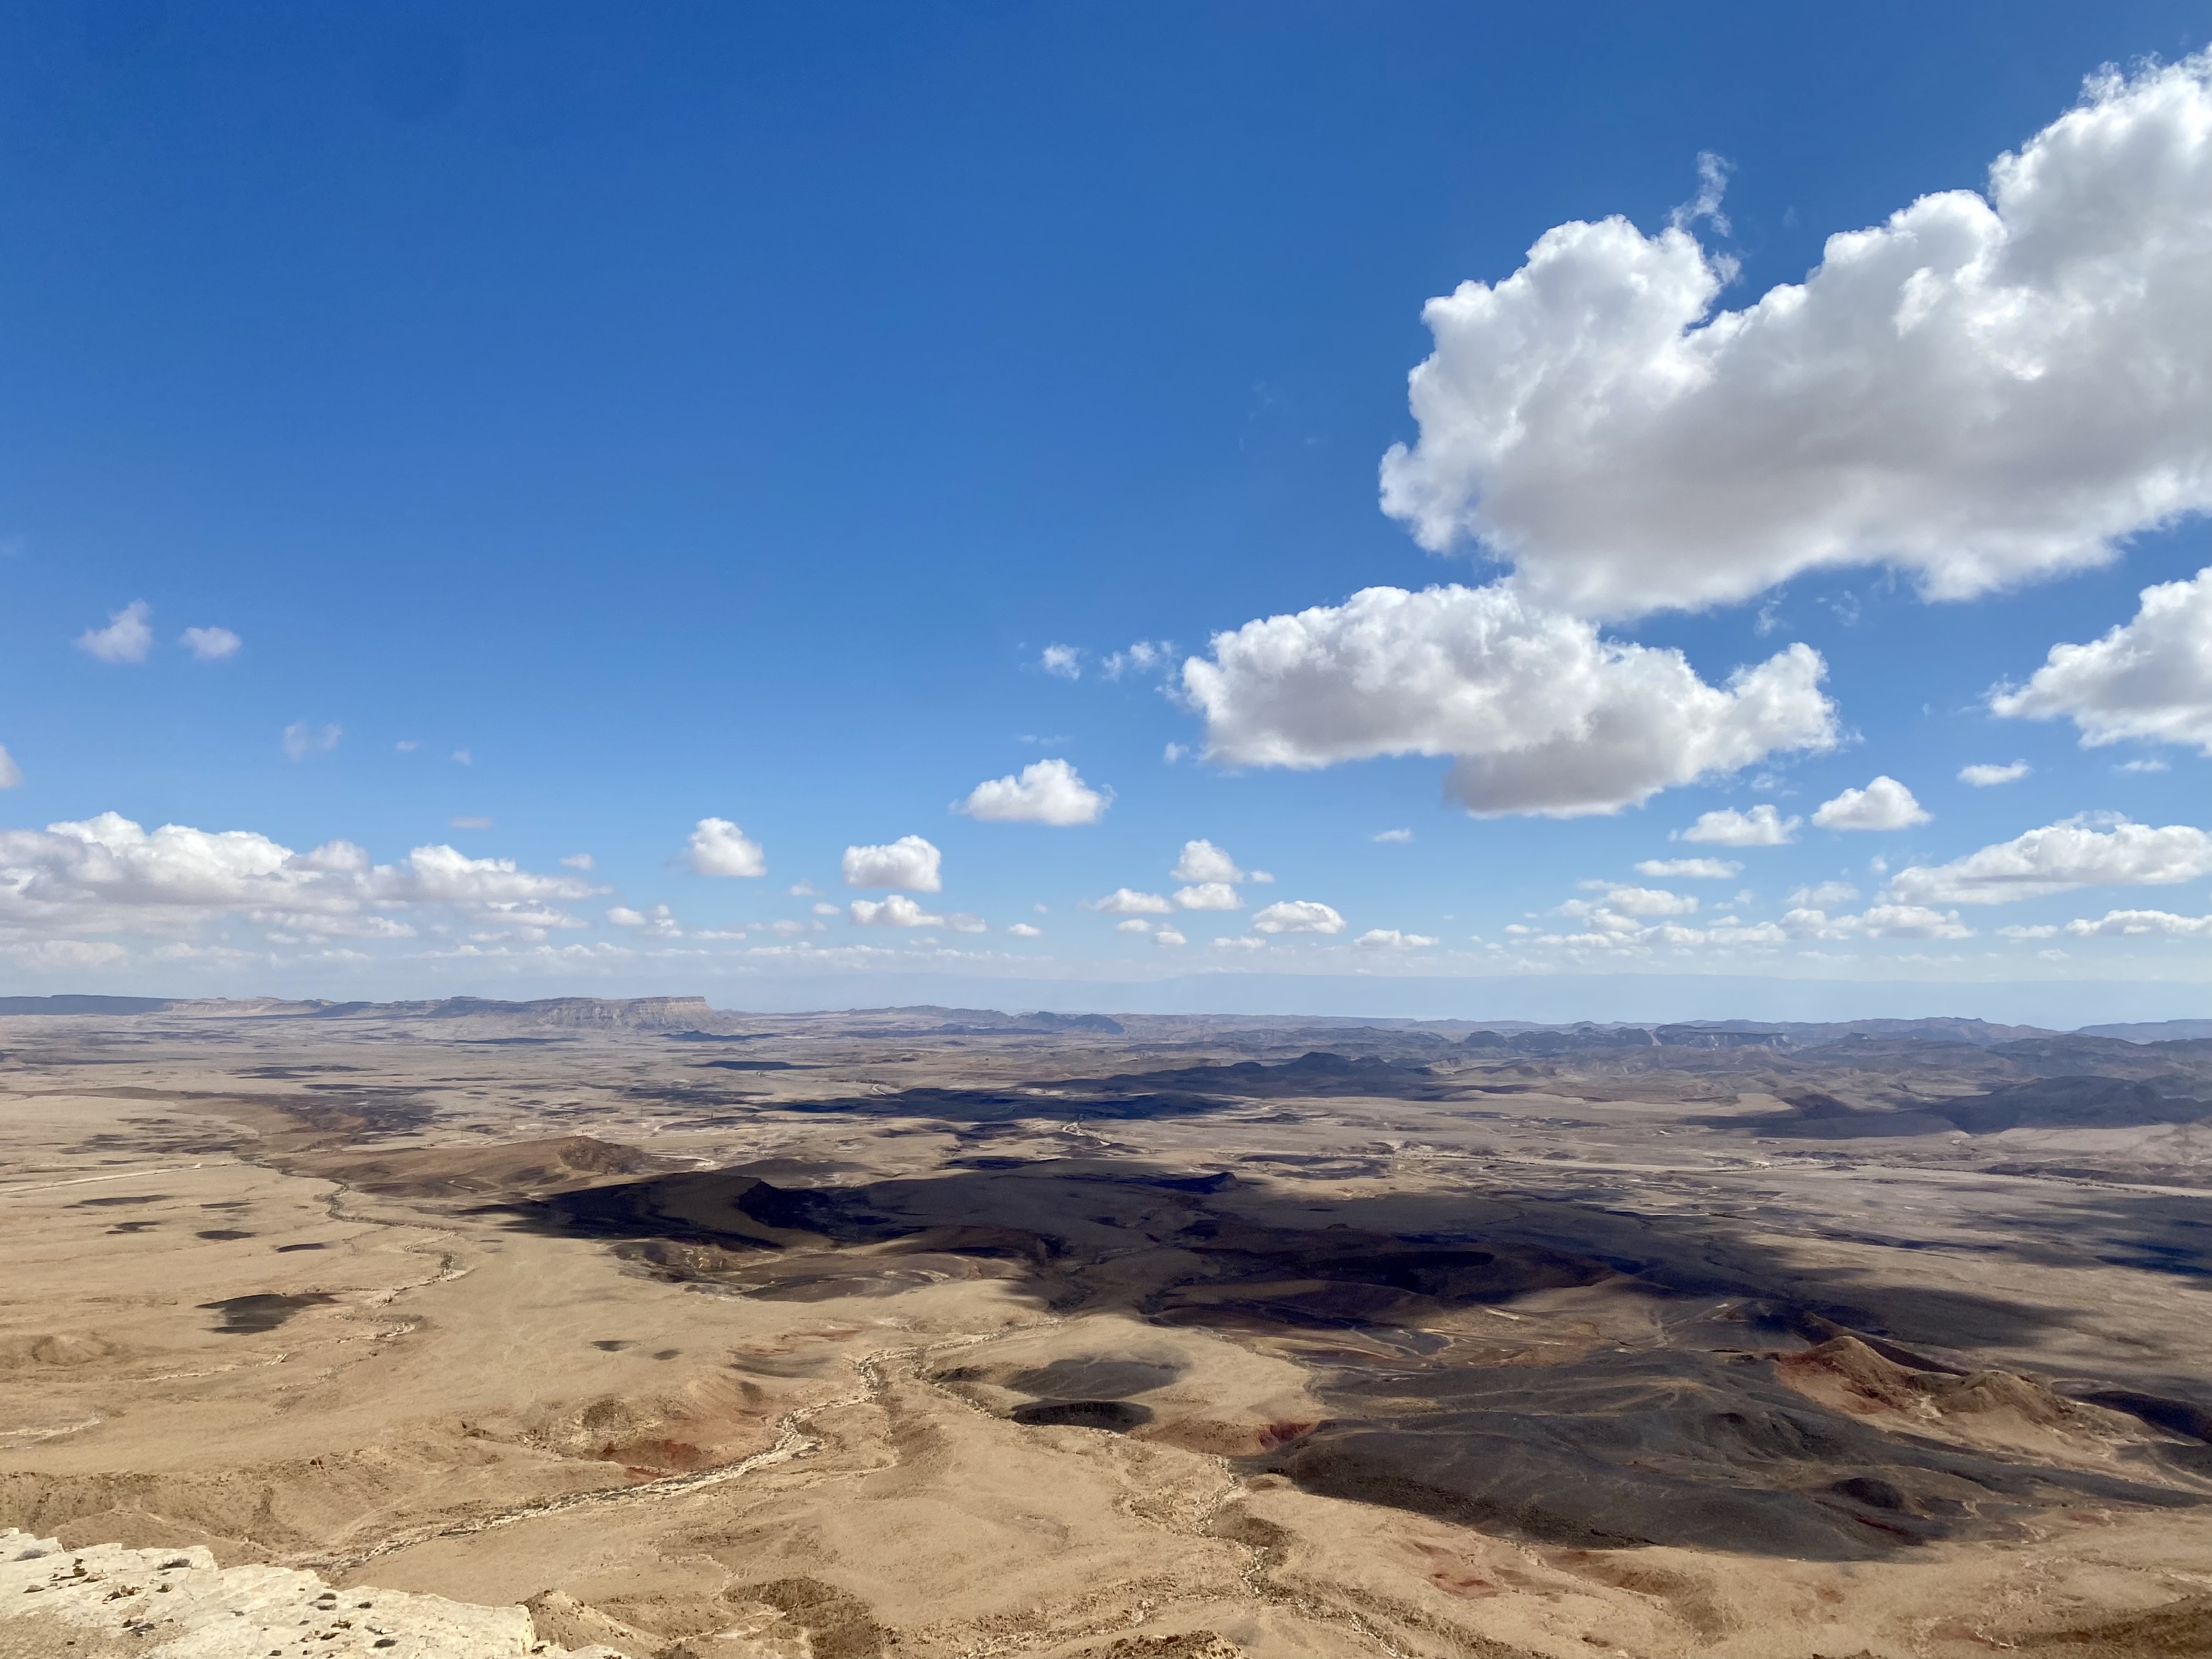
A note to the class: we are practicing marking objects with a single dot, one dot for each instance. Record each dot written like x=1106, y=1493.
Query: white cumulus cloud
x=1538, y=713
x=1064, y=661
x=910, y=862
x=1167, y=936
x=1208, y=896
x=1202, y=861
x=1878, y=921
x=1885, y=804
x=1390, y=938
x=108, y=874
x=1987, y=775
x=1049, y=791
x=209, y=644
x=1127, y=902
x=1689, y=869
x=1022, y=930
x=10, y=773
x=1133, y=925
x=718, y=847
x=897, y=911
x=2137, y=924
x=2058, y=858
x=1981, y=390
x=1823, y=896
x=127, y=638
x=1298, y=916
x=1649, y=902
x=2150, y=678
x=1762, y=826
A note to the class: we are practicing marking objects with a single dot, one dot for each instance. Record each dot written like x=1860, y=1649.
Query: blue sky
x=716, y=413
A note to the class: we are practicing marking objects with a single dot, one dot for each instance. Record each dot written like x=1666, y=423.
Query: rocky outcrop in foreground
x=107, y=1600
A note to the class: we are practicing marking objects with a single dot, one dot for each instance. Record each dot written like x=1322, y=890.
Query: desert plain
x=467, y=1327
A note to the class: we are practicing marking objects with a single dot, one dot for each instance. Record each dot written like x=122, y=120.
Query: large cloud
x=910, y=862
x=2149, y=678
x=2058, y=858
x=1979, y=391
x=1049, y=791
x=1539, y=712
x=107, y=875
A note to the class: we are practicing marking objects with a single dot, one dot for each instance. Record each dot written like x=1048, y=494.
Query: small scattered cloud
x=660, y=922
x=824, y=907
x=302, y=740
x=1201, y=861
x=2152, y=764
x=1049, y=791
x=127, y=637
x=897, y=911
x=1690, y=869
x=1208, y=896
x=473, y=823
x=1987, y=775
x=1390, y=938
x=2016, y=932
x=910, y=862
x=580, y=861
x=1762, y=826
x=1392, y=836
x=1264, y=877
x=10, y=773
x=209, y=644
x=1885, y=804
x=1174, y=752
x=406, y=746
x=1167, y=936
x=1022, y=930
x=1649, y=902
x=1133, y=925
x=718, y=847
x=1826, y=896
x=1298, y=916
x=1063, y=660
x=463, y=757
x=1127, y=902
x=1140, y=658
x=1712, y=184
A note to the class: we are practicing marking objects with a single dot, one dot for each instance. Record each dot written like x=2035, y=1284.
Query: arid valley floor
x=937, y=1334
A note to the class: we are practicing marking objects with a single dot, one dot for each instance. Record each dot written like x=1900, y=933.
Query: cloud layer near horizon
x=107, y=874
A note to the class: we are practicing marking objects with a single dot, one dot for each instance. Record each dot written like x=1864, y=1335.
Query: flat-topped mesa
x=681, y=1012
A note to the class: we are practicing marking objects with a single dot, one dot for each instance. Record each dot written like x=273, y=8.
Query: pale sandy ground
x=463, y=1408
